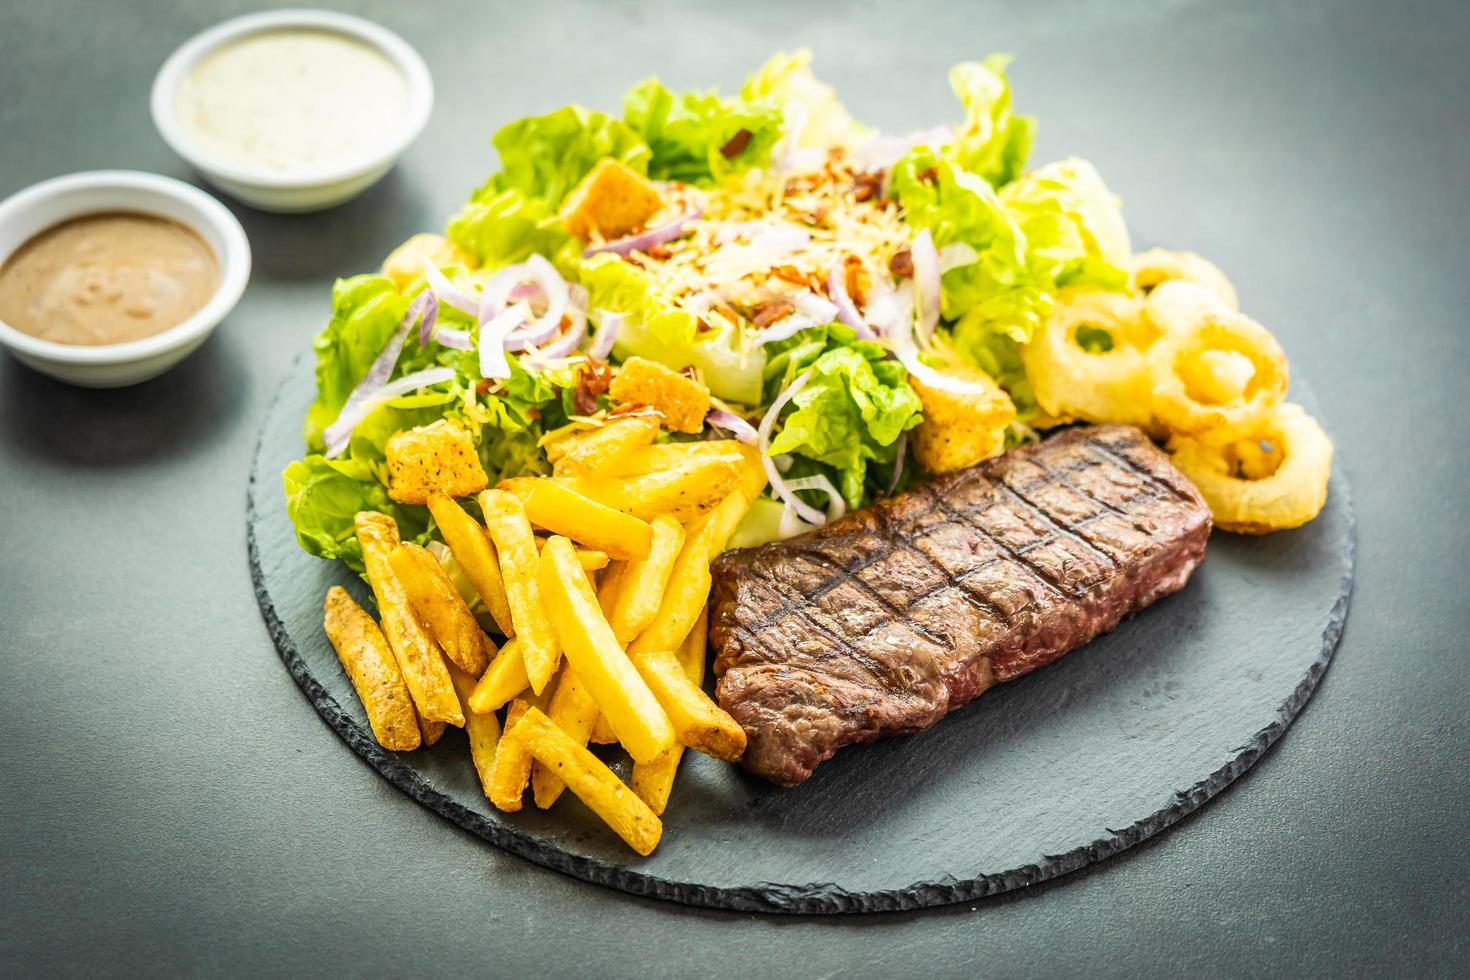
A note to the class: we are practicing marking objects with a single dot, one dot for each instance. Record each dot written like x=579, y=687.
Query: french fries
x=374, y=673
x=698, y=722
x=653, y=781
x=689, y=583
x=430, y=731
x=574, y=712
x=604, y=450
x=502, y=680
x=509, y=529
x=418, y=655
x=483, y=730
x=439, y=608
x=512, y=767
x=592, y=782
x=564, y=511
x=599, y=660
x=471, y=547
x=685, y=493
x=641, y=584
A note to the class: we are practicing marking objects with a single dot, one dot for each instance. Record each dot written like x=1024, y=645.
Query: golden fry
x=418, y=655
x=669, y=456
x=605, y=449
x=475, y=554
x=439, y=607
x=374, y=673
x=574, y=712
x=430, y=731
x=641, y=583
x=512, y=768
x=684, y=493
x=483, y=730
x=688, y=589
x=564, y=511
x=602, y=733
x=503, y=679
x=654, y=781
x=698, y=722
x=593, y=783
x=509, y=529
x=594, y=652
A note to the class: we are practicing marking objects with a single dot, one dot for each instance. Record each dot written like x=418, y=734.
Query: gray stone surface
x=173, y=804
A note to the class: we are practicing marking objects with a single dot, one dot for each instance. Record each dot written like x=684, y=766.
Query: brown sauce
x=106, y=279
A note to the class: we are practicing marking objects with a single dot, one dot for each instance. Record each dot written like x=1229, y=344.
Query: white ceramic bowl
x=309, y=189
x=40, y=206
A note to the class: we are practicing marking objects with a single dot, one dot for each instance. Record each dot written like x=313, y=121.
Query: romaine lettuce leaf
x=810, y=108
x=323, y=495
x=365, y=311
x=994, y=142
x=1072, y=221
x=657, y=329
x=852, y=411
x=688, y=132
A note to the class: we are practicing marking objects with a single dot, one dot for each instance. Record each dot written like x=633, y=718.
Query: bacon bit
x=928, y=175
x=737, y=145
x=771, y=311
x=818, y=215
x=902, y=264
x=728, y=312
x=690, y=371
x=533, y=412
x=788, y=273
x=593, y=378
x=854, y=277
x=867, y=186
x=659, y=252
x=482, y=387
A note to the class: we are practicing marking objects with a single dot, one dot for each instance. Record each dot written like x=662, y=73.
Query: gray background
x=170, y=801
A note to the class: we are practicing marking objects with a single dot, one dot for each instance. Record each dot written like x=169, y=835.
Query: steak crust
x=882, y=622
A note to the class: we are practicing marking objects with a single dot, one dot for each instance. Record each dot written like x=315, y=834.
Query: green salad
x=830, y=286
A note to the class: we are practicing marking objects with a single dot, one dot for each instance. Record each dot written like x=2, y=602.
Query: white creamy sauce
x=293, y=99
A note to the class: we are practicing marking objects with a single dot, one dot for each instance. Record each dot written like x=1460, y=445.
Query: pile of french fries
x=598, y=577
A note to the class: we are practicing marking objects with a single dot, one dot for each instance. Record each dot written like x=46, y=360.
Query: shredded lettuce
x=849, y=416
x=689, y=132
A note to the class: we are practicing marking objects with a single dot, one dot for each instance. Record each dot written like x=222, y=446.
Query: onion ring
x=1189, y=408
x=1275, y=479
x=1071, y=381
x=1158, y=266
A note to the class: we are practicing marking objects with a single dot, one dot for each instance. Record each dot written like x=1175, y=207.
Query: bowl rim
x=234, y=261
x=187, y=55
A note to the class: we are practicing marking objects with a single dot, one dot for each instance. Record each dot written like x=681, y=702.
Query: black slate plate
x=1034, y=779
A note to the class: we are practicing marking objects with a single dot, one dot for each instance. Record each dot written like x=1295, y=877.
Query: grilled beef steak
x=880, y=623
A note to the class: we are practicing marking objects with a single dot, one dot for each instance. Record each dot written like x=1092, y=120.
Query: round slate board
x=1034, y=779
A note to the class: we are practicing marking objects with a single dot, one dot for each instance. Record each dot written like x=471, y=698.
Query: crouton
x=406, y=263
x=611, y=201
x=683, y=402
x=961, y=429
x=438, y=458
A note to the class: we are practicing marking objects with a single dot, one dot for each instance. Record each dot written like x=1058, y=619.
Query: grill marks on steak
x=881, y=623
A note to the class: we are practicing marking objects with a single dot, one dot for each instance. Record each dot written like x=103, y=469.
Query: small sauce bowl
x=29, y=212
x=309, y=188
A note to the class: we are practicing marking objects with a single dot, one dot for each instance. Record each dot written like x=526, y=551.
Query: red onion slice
x=454, y=339
x=336, y=435
x=898, y=459
x=568, y=342
x=763, y=442
x=645, y=240
x=733, y=424
x=847, y=310
x=429, y=314
x=926, y=285
x=608, y=325
x=448, y=292
x=339, y=433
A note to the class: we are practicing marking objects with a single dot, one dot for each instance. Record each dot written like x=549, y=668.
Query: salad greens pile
x=1009, y=240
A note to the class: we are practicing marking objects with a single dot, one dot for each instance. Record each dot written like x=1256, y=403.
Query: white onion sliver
x=763, y=443
x=926, y=285
x=898, y=457
x=428, y=314
x=448, y=292
x=645, y=240
x=733, y=424
x=569, y=341
x=836, y=506
x=608, y=325
x=454, y=339
x=908, y=356
x=492, y=340
x=336, y=435
x=340, y=431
